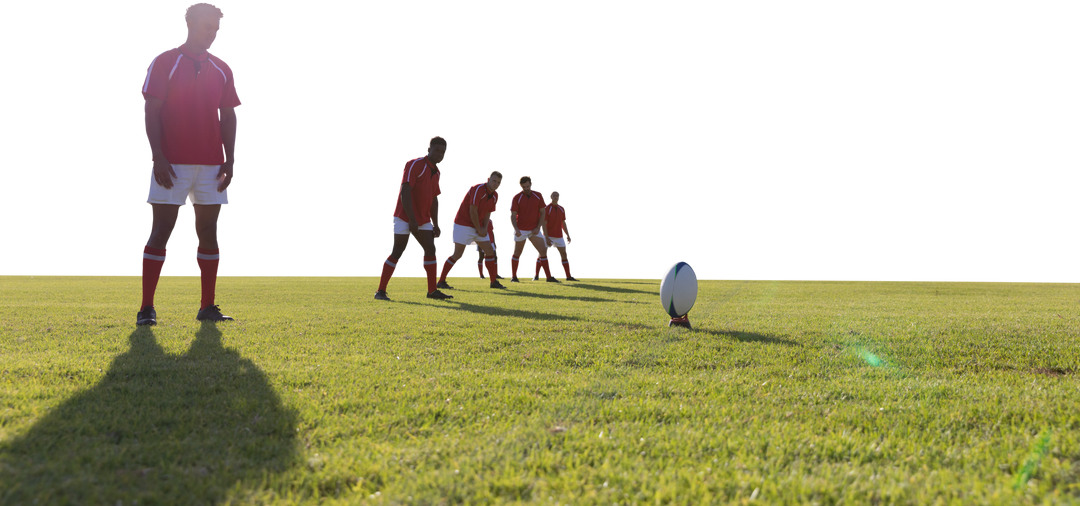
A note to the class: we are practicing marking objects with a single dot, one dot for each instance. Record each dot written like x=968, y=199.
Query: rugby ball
x=678, y=290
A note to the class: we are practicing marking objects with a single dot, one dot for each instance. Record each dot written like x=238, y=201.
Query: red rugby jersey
x=193, y=88
x=528, y=208
x=484, y=202
x=423, y=177
x=556, y=215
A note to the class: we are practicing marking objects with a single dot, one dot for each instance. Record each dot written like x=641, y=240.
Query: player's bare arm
x=163, y=171
x=542, y=223
x=435, y=216
x=567, y=230
x=228, y=139
x=406, y=204
x=514, y=221
x=474, y=215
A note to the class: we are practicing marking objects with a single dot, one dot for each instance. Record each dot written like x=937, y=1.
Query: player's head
x=436, y=149
x=494, y=180
x=203, y=21
x=526, y=183
x=555, y=195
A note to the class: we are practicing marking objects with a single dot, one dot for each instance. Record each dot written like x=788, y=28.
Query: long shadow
x=601, y=288
x=509, y=293
x=749, y=337
x=496, y=311
x=157, y=428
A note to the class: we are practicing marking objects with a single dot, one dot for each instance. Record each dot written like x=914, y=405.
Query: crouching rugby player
x=471, y=225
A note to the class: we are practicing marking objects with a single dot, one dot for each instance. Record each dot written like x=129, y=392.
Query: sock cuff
x=207, y=254
x=208, y=251
x=450, y=261
x=154, y=251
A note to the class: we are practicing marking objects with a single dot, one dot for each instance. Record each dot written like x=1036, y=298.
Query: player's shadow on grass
x=601, y=288
x=496, y=311
x=156, y=428
x=563, y=297
x=749, y=337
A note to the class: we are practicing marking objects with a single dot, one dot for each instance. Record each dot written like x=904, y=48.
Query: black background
x=746, y=153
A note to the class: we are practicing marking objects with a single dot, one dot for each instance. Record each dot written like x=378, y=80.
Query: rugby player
x=416, y=216
x=478, y=203
x=553, y=232
x=527, y=220
x=190, y=122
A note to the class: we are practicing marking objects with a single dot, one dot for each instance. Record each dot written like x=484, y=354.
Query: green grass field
x=785, y=392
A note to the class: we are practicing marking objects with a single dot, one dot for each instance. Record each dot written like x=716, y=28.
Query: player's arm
x=151, y=125
x=513, y=221
x=474, y=215
x=407, y=202
x=543, y=221
x=436, y=212
x=230, y=120
x=567, y=230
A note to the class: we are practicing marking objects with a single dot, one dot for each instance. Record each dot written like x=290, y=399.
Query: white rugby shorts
x=199, y=182
x=467, y=235
x=525, y=234
x=402, y=227
x=558, y=241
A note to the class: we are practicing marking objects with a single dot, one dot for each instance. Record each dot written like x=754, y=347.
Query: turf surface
x=785, y=392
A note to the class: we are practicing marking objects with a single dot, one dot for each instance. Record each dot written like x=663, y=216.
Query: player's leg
x=429, y=257
x=519, y=246
x=541, y=248
x=401, y=241
x=564, y=262
x=478, y=256
x=459, y=249
x=205, y=223
x=488, y=250
x=154, y=259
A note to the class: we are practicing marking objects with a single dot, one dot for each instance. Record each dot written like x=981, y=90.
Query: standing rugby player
x=553, y=232
x=471, y=225
x=417, y=213
x=186, y=89
x=527, y=216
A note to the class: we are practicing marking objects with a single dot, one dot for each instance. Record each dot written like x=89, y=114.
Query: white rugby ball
x=678, y=290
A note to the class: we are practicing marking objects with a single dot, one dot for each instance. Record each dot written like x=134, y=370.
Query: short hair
x=202, y=10
x=496, y=173
x=525, y=179
x=437, y=140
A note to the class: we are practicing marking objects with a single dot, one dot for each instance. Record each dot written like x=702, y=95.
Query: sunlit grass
x=784, y=392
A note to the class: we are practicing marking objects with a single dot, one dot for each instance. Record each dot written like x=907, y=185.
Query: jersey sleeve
x=228, y=94
x=543, y=205
x=156, y=83
x=514, y=205
x=411, y=173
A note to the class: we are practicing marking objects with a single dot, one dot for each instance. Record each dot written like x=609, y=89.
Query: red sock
x=430, y=264
x=208, y=264
x=449, y=264
x=566, y=267
x=513, y=265
x=153, y=259
x=547, y=268
x=387, y=271
x=493, y=269
x=480, y=266
x=538, y=263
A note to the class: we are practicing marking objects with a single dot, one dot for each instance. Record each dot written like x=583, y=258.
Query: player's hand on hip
x=225, y=174
x=164, y=173
x=437, y=230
